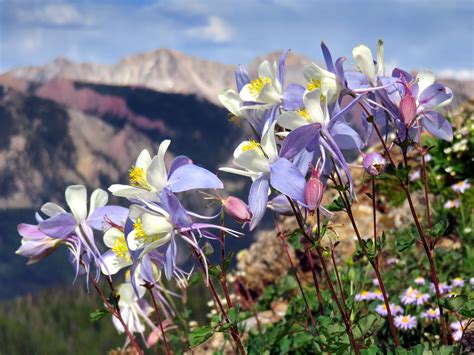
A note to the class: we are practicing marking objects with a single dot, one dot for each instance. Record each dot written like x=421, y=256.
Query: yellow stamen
x=405, y=319
x=304, y=113
x=256, y=85
x=313, y=84
x=251, y=145
x=120, y=249
x=139, y=231
x=137, y=177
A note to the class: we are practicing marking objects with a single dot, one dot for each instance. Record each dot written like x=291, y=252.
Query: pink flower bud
x=237, y=209
x=374, y=163
x=313, y=193
x=408, y=108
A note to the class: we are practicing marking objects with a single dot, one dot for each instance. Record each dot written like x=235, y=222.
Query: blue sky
x=435, y=34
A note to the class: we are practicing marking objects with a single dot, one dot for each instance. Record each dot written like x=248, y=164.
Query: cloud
x=216, y=30
x=52, y=15
x=458, y=74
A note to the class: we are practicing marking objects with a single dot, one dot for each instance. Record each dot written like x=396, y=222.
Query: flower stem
x=285, y=247
x=223, y=279
x=309, y=255
x=431, y=261
x=233, y=330
x=115, y=310
x=341, y=290
x=158, y=316
x=372, y=262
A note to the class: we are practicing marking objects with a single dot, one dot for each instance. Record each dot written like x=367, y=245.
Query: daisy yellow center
x=405, y=319
x=137, y=177
x=460, y=183
x=378, y=292
x=120, y=249
x=304, y=113
x=432, y=312
x=364, y=293
x=313, y=84
x=458, y=279
x=256, y=85
x=251, y=145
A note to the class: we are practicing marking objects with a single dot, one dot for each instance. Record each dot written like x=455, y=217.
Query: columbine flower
x=149, y=177
x=412, y=101
x=461, y=186
x=154, y=227
x=419, y=280
x=421, y=298
x=409, y=296
x=35, y=245
x=376, y=295
x=261, y=162
x=452, y=204
x=382, y=309
x=374, y=163
x=363, y=296
x=431, y=314
x=459, y=327
x=457, y=282
x=133, y=308
x=280, y=204
x=75, y=227
x=405, y=322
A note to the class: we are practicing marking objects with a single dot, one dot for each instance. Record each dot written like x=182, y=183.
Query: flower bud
x=374, y=163
x=237, y=209
x=408, y=108
x=313, y=193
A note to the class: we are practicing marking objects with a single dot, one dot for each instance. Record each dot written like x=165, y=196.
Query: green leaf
x=200, y=335
x=405, y=241
x=439, y=228
x=228, y=260
x=215, y=271
x=336, y=206
x=98, y=314
x=454, y=303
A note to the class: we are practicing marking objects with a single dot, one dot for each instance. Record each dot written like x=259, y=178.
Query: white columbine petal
x=76, y=198
x=111, y=235
x=424, y=78
x=99, y=199
x=365, y=62
x=51, y=209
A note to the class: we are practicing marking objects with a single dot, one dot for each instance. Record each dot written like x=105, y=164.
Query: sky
x=418, y=34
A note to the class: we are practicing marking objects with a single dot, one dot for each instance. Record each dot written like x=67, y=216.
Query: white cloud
x=458, y=74
x=216, y=30
x=52, y=15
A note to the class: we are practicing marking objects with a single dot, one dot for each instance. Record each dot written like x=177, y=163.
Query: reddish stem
x=315, y=280
x=158, y=317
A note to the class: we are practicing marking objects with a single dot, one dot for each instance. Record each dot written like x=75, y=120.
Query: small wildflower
x=419, y=280
x=421, y=298
x=363, y=296
x=461, y=186
x=457, y=282
x=428, y=157
x=375, y=282
x=443, y=287
x=382, y=309
x=467, y=230
x=459, y=327
x=431, y=314
x=409, y=296
x=376, y=295
x=471, y=281
x=405, y=322
x=415, y=175
x=452, y=204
